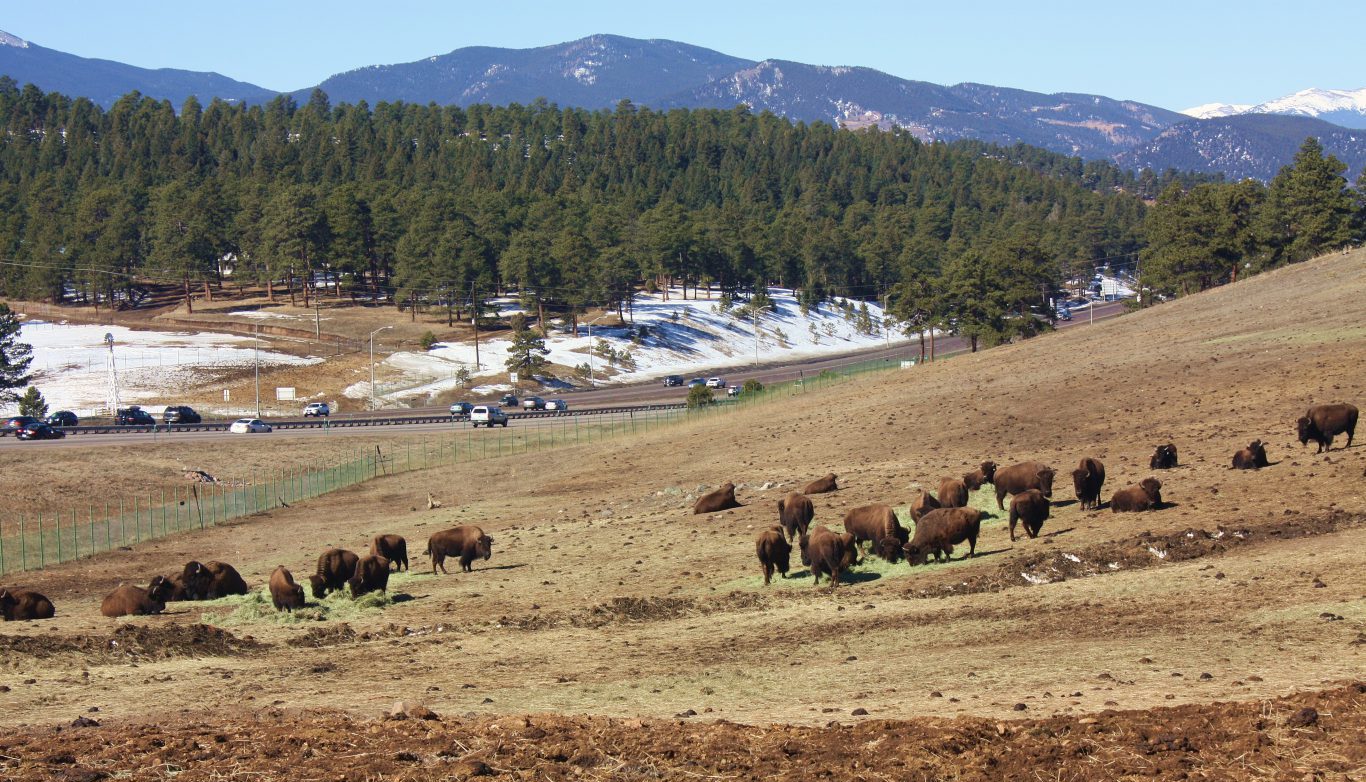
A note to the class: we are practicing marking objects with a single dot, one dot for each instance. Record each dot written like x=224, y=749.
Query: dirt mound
x=135, y=642
x=621, y=610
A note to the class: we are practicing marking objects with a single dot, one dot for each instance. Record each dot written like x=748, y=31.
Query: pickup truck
x=488, y=415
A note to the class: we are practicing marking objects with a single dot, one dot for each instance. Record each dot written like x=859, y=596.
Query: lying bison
x=224, y=580
x=720, y=499
x=372, y=575
x=821, y=485
x=284, y=593
x=874, y=523
x=191, y=583
x=22, y=605
x=795, y=512
x=136, y=601
x=923, y=503
x=1030, y=507
x=1147, y=495
x=393, y=548
x=825, y=553
x=1324, y=422
x=1164, y=458
x=1253, y=457
x=1022, y=477
x=336, y=566
x=1088, y=479
x=986, y=473
x=774, y=552
x=939, y=530
x=953, y=493
x=466, y=541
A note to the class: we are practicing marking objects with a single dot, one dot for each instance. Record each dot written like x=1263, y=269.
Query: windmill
x=113, y=391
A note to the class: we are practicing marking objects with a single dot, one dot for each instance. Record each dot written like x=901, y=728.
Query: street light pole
x=372, y=363
x=256, y=360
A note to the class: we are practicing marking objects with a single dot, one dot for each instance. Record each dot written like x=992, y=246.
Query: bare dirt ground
x=1173, y=644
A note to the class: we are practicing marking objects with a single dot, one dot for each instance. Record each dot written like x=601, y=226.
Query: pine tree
x=1308, y=207
x=15, y=357
x=32, y=403
x=526, y=354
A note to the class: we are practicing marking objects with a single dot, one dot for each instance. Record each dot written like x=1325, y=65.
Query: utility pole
x=256, y=360
x=474, y=321
x=755, y=310
x=372, y=363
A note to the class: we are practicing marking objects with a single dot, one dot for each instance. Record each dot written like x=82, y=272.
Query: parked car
x=63, y=418
x=508, y=400
x=715, y=382
x=488, y=415
x=556, y=404
x=15, y=423
x=38, y=431
x=733, y=391
x=673, y=380
x=697, y=381
x=461, y=410
x=248, y=426
x=317, y=409
x=533, y=403
x=133, y=416
x=180, y=414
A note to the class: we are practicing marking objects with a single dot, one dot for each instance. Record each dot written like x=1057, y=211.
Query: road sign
x=513, y=377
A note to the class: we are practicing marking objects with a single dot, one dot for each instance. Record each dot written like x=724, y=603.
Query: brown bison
x=191, y=583
x=825, y=553
x=984, y=474
x=874, y=523
x=1147, y=495
x=774, y=552
x=1253, y=457
x=795, y=512
x=335, y=568
x=1031, y=507
x=922, y=504
x=224, y=580
x=284, y=593
x=938, y=531
x=821, y=485
x=953, y=493
x=1088, y=479
x=393, y=548
x=372, y=575
x=21, y=605
x=136, y=601
x=466, y=541
x=1164, y=458
x=1323, y=422
x=1022, y=477
x=713, y=501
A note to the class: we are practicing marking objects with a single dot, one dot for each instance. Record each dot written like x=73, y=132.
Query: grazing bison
x=825, y=553
x=1031, y=507
x=774, y=552
x=1164, y=458
x=720, y=499
x=466, y=541
x=136, y=601
x=873, y=523
x=1022, y=477
x=284, y=593
x=984, y=474
x=191, y=583
x=938, y=531
x=922, y=504
x=795, y=512
x=1323, y=422
x=393, y=548
x=1253, y=457
x=21, y=605
x=1088, y=478
x=953, y=493
x=224, y=580
x=821, y=485
x=1147, y=495
x=372, y=575
x=335, y=568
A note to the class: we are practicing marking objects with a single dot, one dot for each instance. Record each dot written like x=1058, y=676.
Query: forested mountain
x=1245, y=146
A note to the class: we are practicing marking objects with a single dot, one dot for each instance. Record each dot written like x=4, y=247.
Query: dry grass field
x=613, y=635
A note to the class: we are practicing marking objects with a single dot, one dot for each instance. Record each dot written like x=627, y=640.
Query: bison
x=1323, y=422
x=372, y=575
x=466, y=541
x=224, y=580
x=393, y=548
x=191, y=583
x=821, y=485
x=922, y=504
x=873, y=523
x=284, y=593
x=986, y=473
x=938, y=531
x=795, y=512
x=1031, y=507
x=1022, y=477
x=135, y=601
x=774, y=552
x=1164, y=458
x=1147, y=495
x=1253, y=457
x=21, y=605
x=720, y=499
x=953, y=493
x=1088, y=479
x=335, y=568
x=825, y=553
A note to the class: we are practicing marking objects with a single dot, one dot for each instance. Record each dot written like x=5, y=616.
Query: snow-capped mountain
x=1213, y=110
x=1340, y=107
x=11, y=40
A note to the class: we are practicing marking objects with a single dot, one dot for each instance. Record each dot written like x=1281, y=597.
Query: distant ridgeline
x=436, y=206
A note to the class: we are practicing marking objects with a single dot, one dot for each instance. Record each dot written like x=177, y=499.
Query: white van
x=488, y=415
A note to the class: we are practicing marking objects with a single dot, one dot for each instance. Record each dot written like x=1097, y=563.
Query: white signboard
x=227, y=396
x=285, y=394
x=512, y=376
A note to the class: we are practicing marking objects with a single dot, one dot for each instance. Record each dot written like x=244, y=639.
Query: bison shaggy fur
x=1324, y=422
x=224, y=580
x=923, y=503
x=1088, y=479
x=128, y=600
x=191, y=583
x=825, y=553
x=774, y=552
x=1253, y=457
x=466, y=541
x=1022, y=477
x=874, y=523
x=372, y=575
x=21, y=605
x=1147, y=495
x=393, y=548
x=795, y=513
x=939, y=530
x=821, y=485
x=335, y=568
x=986, y=473
x=720, y=499
x=953, y=493
x=1164, y=458
x=284, y=593
x=1030, y=507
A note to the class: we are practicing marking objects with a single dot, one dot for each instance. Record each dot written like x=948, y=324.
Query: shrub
x=752, y=386
x=32, y=403
x=699, y=396
x=427, y=340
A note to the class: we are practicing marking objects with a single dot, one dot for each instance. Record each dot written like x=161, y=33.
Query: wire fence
x=29, y=542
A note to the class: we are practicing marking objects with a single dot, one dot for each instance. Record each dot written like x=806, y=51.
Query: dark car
x=508, y=400
x=38, y=431
x=461, y=410
x=673, y=380
x=63, y=418
x=17, y=422
x=134, y=416
x=180, y=414
x=697, y=381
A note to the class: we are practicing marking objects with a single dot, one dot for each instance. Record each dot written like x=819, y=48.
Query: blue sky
x=1172, y=54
